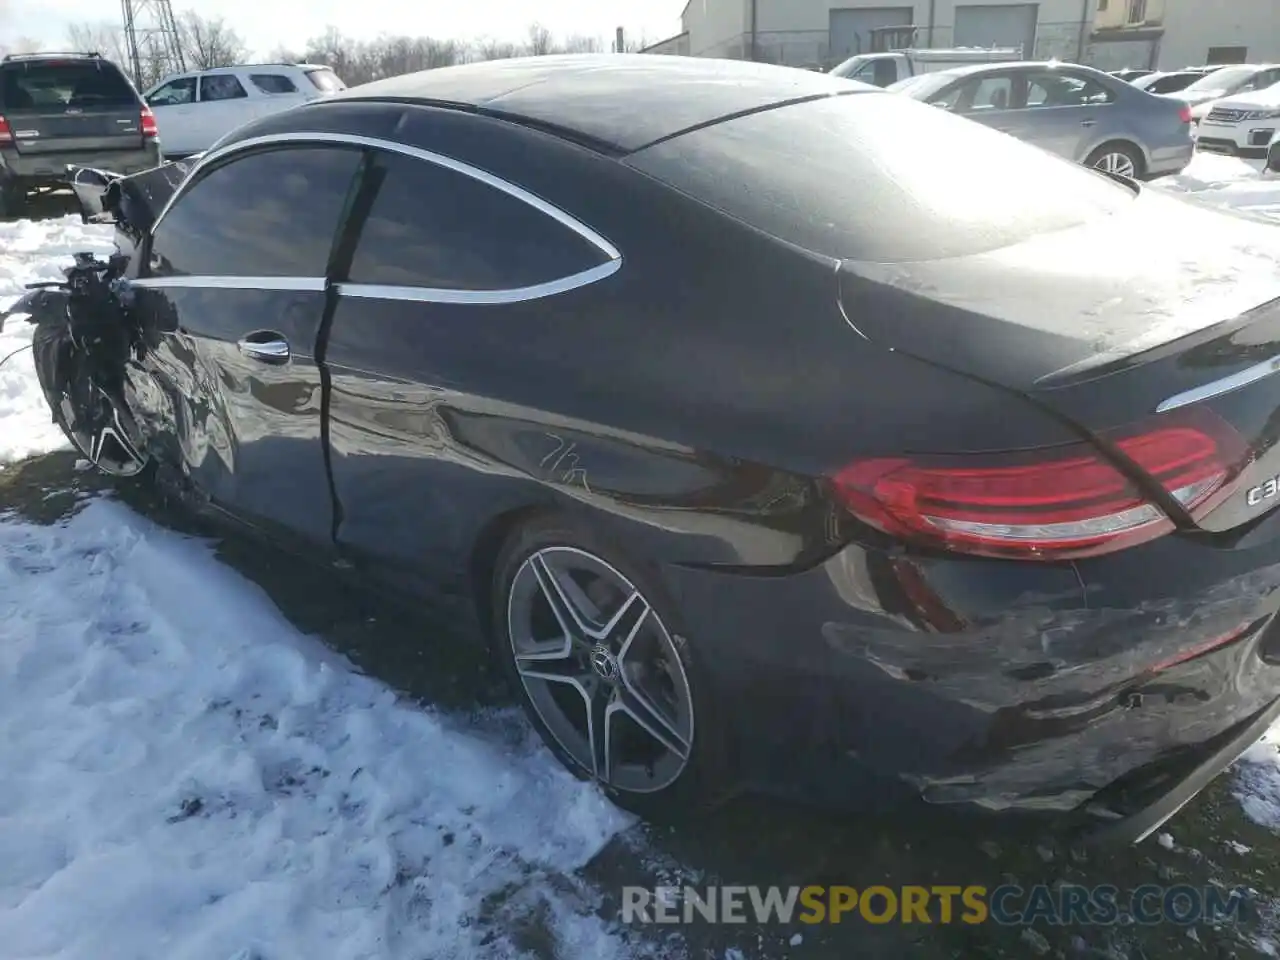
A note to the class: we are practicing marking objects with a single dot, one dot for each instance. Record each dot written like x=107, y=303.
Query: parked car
x=883, y=69
x=1226, y=82
x=1077, y=112
x=194, y=110
x=1243, y=125
x=808, y=469
x=62, y=108
x=1170, y=82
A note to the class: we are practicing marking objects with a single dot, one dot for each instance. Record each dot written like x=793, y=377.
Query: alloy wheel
x=1117, y=163
x=600, y=669
x=104, y=435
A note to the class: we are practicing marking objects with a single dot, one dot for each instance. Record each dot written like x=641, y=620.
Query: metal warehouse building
x=1107, y=33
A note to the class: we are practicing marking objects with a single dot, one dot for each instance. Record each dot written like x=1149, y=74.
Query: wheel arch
x=1125, y=142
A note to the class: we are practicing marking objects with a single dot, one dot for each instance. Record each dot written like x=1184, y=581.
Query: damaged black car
x=833, y=471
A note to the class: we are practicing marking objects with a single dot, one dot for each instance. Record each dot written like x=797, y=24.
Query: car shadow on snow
x=750, y=842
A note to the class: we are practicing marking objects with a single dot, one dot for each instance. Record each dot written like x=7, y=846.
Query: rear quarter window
x=881, y=178
x=58, y=85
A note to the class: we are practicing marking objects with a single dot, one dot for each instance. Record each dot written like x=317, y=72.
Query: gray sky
x=266, y=24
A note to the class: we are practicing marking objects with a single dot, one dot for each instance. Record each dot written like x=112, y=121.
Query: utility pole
x=151, y=37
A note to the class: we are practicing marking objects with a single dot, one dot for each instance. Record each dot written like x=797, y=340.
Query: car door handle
x=1088, y=123
x=265, y=346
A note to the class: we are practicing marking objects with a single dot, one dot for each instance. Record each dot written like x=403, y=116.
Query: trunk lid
x=85, y=104
x=1167, y=312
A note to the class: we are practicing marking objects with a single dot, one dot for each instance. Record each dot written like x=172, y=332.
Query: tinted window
x=1052, y=89
x=62, y=84
x=175, y=91
x=881, y=178
x=270, y=214
x=273, y=83
x=433, y=227
x=221, y=86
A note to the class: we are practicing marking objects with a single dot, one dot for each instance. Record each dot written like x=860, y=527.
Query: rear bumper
x=1166, y=160
x=1102, y=691
x=50, y=169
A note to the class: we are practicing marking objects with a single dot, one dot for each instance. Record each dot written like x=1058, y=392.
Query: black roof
x=622, y=101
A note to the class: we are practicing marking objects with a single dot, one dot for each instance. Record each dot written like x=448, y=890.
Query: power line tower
x=152, y=42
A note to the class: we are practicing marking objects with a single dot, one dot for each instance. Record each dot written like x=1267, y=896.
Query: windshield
x=57, y=85
x=922, y=86
x=846, y=68
x=869, y=185
x=325, y=80
x=1222, y=80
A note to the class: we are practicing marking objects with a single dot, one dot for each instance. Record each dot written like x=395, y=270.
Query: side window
x=265, y=214
x=273, y=83
x=434, y=227
x=182, y=90
x=992, y=93
x=1065, y=90
x=221, y=86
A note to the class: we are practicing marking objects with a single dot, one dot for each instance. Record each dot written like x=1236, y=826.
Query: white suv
x=1244, y=124
x=194, y=110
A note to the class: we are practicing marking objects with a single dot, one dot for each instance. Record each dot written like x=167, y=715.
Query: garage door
x=850, y=28
x=997, y=25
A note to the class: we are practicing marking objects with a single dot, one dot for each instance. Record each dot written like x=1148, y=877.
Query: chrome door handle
x=1088, y=123
x=268, y=348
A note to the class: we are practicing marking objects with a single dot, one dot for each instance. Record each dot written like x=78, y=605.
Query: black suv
x=60, y=109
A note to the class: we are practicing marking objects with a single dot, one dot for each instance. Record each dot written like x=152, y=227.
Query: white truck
x=883, y=69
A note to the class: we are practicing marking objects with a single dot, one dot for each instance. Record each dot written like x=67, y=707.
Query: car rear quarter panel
x=688, y=405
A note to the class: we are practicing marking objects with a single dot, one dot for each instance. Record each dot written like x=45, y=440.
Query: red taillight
x=6, y=133
x=149, y=128
x=1050, y=505
x=1185, y=114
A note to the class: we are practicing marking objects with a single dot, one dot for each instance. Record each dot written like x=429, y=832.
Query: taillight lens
x=148, y=121
x=6, y=132
x=1053, y=504
x=1185, y=114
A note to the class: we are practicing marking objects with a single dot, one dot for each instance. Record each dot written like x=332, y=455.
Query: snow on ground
x=184, y=773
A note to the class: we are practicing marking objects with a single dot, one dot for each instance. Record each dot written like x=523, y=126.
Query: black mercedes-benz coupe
x=783, y=433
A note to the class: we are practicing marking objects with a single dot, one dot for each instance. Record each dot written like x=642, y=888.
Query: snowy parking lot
x=188, y=773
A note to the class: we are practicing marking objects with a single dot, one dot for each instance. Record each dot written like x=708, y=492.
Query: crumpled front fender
x=41, y=305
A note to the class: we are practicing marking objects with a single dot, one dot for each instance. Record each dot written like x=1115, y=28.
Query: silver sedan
x=1077, y=112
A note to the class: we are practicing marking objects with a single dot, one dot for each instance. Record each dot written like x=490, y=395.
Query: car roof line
x=564, y=133
x=576, y=136
x=738, y=114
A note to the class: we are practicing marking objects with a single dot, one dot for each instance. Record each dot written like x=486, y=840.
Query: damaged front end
x=87, y=336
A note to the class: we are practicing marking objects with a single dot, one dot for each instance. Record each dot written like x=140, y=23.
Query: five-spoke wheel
x=601, y=669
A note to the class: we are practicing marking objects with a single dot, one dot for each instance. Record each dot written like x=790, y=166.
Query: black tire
x=1126, y=150
x=704, y=781
x=1273, y=157
x=53, y=353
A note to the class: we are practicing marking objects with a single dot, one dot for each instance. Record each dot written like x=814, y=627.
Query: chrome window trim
x=312, y=284
x=1217, y=388
x=378, y=291
x=374, y=143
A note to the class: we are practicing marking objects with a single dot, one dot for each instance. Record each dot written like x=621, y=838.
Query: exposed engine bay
x=86, y=335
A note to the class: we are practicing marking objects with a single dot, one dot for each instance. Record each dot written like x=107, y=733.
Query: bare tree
x=540, y=41
x=579, y=43
x=209, y=42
